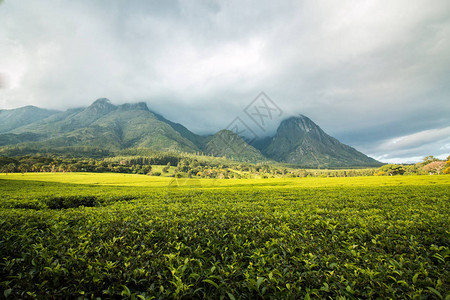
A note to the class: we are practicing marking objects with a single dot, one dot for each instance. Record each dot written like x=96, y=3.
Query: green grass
x=124, y=236
x=159, y=168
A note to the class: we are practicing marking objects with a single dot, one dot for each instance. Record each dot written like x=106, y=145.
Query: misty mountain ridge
x=13, y=118
x=298, y=140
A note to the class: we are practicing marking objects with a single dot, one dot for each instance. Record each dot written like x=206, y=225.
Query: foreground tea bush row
x=285, y=243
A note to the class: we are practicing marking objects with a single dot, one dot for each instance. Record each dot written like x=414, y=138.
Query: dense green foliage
x=430, y=165
x=67, y=151
x=366, y=237
x=447, y=166
x=185, y=165
x=146, y=161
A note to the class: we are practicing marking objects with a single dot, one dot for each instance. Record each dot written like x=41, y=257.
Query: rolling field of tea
x=87, y=235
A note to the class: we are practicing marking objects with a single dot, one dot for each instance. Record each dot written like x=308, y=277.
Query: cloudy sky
x=374, y=74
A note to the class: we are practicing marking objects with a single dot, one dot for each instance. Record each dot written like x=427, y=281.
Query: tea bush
x=247, y=242
x=70, y=201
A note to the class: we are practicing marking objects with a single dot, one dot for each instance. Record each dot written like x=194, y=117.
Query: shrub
x=71, y=202
x=379, y=173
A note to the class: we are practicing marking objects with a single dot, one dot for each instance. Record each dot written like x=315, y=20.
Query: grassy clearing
x=129, y=236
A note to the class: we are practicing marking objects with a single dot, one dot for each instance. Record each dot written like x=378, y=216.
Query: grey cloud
x=365, y=71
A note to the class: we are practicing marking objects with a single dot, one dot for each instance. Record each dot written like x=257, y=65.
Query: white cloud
x=417, y=139
x=413, y=147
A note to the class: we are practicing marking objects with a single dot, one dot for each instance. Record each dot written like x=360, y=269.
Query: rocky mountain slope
x=302, y=142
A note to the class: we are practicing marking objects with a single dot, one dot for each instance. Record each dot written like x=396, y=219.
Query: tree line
x=429, y=166
x=190, y=166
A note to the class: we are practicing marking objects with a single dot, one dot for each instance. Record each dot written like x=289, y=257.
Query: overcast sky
x=374, y=74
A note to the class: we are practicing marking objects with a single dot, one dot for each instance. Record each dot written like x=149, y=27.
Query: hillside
x=228, y=144
x=11, y=119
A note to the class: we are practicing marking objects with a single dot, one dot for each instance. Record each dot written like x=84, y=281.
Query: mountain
x=70, y=120
x=136, y=126
x=300, y=141
x=106, y=127
x=229, y=144
x=14, y=118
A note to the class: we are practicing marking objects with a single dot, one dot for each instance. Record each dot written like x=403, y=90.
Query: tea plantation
x=106, y=236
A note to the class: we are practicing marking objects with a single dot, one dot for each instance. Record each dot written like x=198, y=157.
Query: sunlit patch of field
x=115, y=179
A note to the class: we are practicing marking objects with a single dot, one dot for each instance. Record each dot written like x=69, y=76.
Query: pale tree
x=434, y=167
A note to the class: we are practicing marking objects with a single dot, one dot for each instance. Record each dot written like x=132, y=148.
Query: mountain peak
x=102, y=106
x=29, y=107
x=23, y=108
x=225, y=138
x=301, y=122
x=134, y=106
x=101, y=101
x=228, y=143
x=225, y=132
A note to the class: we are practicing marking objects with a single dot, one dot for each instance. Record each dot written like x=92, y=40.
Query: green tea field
x=89, y=236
